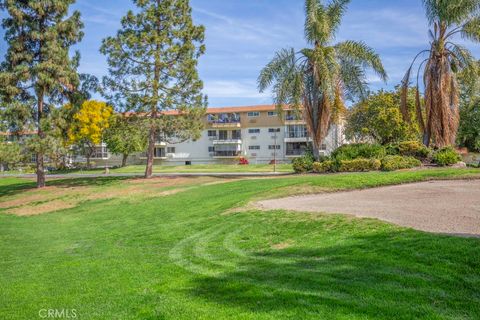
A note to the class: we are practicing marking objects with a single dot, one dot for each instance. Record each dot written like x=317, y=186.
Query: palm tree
x=317, y=80
x=445, y=60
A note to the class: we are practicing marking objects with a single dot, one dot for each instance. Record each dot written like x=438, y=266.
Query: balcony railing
x=226, y=153
x=296, y=135
x=295, y=152
x=224, y=121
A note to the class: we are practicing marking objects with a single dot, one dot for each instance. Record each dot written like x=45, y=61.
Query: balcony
x=293, y=119
x=295, y=153
x=226, y=120
x=227, y=141
x=296, y=137
x=227, y=154
x=225, y=124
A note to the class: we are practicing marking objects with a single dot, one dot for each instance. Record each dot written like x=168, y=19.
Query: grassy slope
x=179, y=257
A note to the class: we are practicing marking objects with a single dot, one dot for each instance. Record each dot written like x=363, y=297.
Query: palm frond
x=462, y=56
x=353, y=77
x=335, y=11
x=450, y=12
x=363, y=55
x=283, y=63
x=471, y=29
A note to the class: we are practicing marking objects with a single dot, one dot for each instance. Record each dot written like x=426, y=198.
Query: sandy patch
x=451, y=207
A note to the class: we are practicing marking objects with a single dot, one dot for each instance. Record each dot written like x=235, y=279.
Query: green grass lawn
x=188, y=255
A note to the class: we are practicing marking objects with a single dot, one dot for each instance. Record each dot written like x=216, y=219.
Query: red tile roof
x=214, y=110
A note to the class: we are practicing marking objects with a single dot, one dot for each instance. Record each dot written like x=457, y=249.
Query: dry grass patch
x=54, y=198
x=283, y=245
x=46, y=207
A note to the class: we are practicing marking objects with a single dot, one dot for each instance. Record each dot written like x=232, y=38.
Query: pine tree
x=153, y=70
x=38, y=72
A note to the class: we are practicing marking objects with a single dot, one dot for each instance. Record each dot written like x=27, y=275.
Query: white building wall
x=197, y=152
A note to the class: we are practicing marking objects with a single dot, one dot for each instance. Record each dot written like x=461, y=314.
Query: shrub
x=325, y=166
x=359, y=165
x=303, y=164
x=392, y=163
x=414, y=149
x=446, y=157
x=359, y=151
x=243, y=161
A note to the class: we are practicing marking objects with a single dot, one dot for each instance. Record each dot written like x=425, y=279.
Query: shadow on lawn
x=20, y=187
x=401, y=275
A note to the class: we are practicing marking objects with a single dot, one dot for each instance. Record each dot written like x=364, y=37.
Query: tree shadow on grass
x=86, y=182
x=401, y=275
x=16, y=187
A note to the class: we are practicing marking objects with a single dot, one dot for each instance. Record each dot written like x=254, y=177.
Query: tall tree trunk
x=150, y=151
x=154, y=107
x=124, y=160
x=40, y=164
x=316, y=151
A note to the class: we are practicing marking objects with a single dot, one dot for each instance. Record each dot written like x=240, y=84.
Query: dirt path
x=451, y=207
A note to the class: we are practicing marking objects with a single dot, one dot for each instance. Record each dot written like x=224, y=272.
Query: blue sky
x=243, y=35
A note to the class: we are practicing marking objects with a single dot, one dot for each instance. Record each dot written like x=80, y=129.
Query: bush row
x=369, y=157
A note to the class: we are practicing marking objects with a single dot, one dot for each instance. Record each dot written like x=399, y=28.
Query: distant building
x=257, y=133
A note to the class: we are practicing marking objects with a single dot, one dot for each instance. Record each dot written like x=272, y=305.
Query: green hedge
x=410, y=149
x=302, y=165
x=446, y=157
x=359, y=151
x=359, y=165
x=325, y=166
x=392, y=163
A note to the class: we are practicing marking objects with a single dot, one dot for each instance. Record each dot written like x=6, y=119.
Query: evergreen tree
x=153, y=70
x=38, y=72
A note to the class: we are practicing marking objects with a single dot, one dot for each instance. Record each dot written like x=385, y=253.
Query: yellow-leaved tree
x=88, y=125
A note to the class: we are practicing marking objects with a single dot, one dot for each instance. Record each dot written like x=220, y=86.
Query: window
x=223, y=135
x=171, y=150
x=254, y=148
x=272, y=113
x=297, y=131
x=211, y=149
x=253, y=131
x=100, y=153
x=272, y=130
x=212, y=133
x=274, y=147
x=253, y=114
x=323, y=147
x=236, y=134
x=159, y=152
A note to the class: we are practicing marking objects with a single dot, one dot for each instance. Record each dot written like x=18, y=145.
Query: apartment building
x=257, y=133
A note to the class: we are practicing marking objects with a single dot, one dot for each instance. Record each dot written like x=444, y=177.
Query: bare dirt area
x=451, y=207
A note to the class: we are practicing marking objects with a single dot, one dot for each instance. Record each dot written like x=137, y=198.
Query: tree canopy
x=378, y=119
x=317, y=79
x=38, y=72
x=153, y=69
x=125, y=136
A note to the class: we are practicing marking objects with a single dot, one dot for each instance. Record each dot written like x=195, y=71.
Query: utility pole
x=275, y=152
